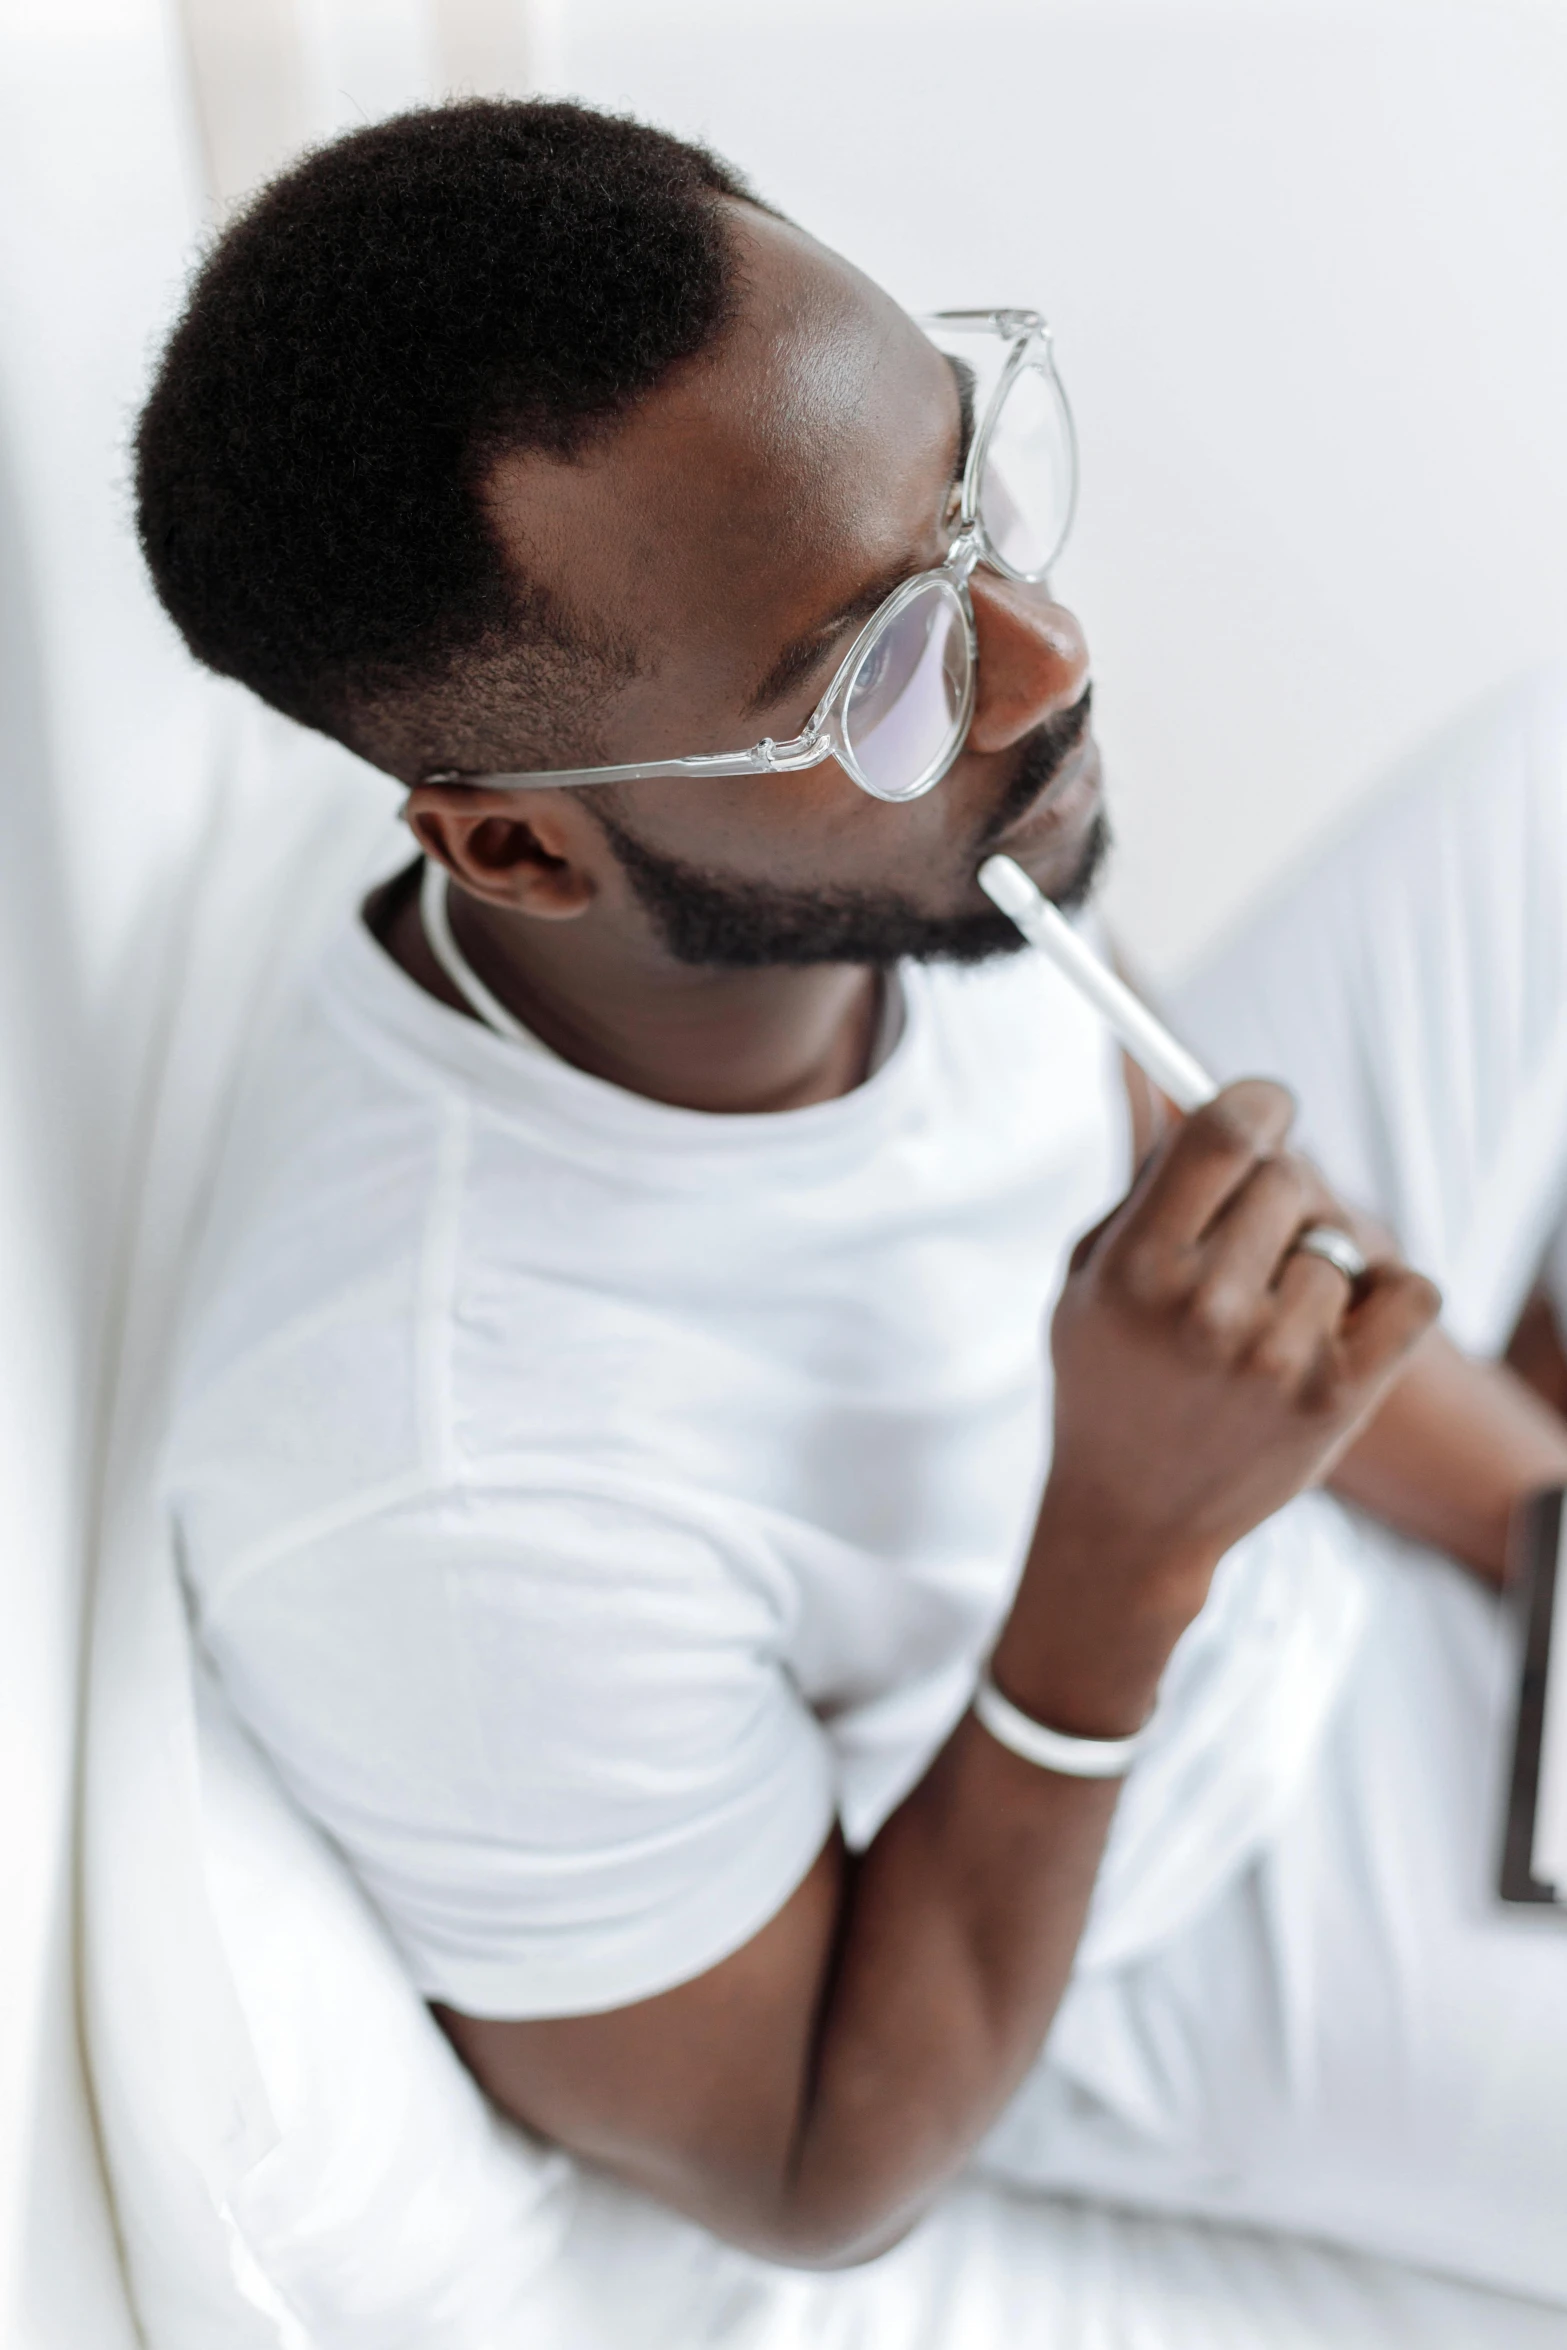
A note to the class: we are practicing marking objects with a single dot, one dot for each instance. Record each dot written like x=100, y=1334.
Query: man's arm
x=1455, y=1447
x=808, y=2096
x=1457, y=1444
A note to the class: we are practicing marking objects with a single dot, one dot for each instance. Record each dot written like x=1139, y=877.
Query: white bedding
x=298, y=2160
x=511, y=2246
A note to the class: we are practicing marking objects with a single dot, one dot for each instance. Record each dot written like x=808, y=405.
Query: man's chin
x=1068, y=873
x=715, y=923
x=1069, y=876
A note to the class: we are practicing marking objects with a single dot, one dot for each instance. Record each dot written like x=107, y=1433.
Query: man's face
x=732, y=536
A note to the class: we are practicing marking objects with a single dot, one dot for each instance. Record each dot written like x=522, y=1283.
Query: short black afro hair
x=375, y=327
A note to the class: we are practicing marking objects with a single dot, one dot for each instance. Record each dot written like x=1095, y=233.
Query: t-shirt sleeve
x=553, y=1734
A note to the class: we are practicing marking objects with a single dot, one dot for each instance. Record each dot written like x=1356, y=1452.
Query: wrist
x=1048, y=1748
x=1094, y=1698
x=1089, y=1635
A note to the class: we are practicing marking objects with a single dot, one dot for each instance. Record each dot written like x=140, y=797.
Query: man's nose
x=1033, y=661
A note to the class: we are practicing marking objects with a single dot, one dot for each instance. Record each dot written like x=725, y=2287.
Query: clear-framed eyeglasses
x=897, y=711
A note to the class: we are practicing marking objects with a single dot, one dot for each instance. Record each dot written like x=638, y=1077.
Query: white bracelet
x=1053, y=1750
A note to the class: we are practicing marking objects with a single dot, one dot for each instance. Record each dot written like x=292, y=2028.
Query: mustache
x=1044, y=754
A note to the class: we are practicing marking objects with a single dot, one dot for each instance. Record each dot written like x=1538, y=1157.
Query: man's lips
x=1064, y=800
x=1044, y=765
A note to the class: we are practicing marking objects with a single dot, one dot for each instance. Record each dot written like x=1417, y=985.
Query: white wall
x=1306, y=259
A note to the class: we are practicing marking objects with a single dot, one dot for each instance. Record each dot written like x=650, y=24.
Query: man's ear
x=545, y=863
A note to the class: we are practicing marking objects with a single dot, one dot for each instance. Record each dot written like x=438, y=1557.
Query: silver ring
x=1335, y=1248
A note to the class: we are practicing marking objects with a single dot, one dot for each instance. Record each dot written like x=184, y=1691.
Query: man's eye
x=872, y=670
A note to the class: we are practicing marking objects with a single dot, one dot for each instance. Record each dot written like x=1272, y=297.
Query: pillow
x=395, y=2205
x=296, y=2155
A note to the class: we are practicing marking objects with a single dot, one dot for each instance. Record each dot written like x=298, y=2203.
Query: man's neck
x=723, y=1041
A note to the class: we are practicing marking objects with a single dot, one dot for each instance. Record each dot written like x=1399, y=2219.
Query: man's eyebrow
x=964, y=377
x=799, y=658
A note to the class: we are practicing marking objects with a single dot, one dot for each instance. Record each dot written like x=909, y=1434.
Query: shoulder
x=296, y=1379
x=550, y=1728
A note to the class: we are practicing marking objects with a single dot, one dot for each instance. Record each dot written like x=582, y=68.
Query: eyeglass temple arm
x=1010, y=323
x=764, y=758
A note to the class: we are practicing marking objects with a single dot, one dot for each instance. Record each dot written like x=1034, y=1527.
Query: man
x=616, y=1437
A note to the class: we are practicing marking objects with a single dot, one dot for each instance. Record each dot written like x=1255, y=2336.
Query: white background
x=1306, y=261
x=1307, y=267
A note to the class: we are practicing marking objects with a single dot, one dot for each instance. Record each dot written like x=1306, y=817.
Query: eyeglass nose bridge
x=965, y=554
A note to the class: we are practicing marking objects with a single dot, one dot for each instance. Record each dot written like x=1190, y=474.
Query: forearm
x=960, y=1924
x=960, y=1928
x=934, y=1963
x=1456, y=1445
x=906, y=1991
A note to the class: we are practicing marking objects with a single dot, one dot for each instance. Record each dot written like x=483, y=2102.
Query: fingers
x=1311, y=1334
x=1189, y=1181
x=1084, y=1248
x=1208, y=1232
x=1395, y=1307
x=1296, y=1346
x=1249, y=1243
x=1231, y=1296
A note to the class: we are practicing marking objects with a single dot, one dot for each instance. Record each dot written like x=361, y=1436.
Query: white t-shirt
x=586, y=1500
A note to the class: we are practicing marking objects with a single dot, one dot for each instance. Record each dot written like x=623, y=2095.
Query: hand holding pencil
x=1172, y=1068
x=1208, y=1365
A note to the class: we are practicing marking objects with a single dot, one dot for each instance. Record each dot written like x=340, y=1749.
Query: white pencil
x=1149, y=1042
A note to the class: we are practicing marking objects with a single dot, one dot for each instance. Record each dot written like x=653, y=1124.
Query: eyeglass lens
x=908, y=699
x=1025, y=490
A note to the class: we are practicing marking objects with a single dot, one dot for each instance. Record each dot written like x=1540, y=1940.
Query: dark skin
x=808, y=2095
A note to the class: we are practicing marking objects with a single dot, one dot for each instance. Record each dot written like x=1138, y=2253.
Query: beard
x=722, y=925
